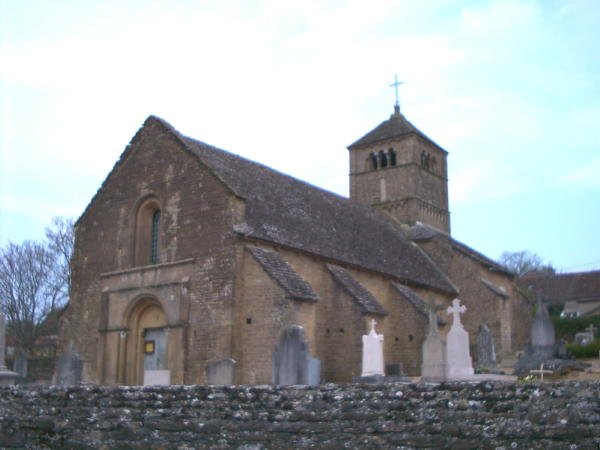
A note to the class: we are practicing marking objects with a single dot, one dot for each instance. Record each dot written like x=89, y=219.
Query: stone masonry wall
x=447, y=415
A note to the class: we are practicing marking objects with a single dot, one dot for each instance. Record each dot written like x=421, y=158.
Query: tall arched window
x=147, y=233
x=154, y=237
x=373, y=157
x=383, y=159
x=392, y=156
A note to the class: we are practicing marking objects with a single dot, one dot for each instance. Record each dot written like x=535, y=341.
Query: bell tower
x=398, y=169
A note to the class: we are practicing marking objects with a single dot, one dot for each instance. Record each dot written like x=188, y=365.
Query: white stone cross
x=592, y=330
x=456, y=310
x=373, y=323
x=540, y=371
x=372, y=360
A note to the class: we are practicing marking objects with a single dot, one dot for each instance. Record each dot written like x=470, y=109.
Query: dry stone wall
x=446, y=415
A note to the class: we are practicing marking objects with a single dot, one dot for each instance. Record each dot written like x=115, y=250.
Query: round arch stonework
x=146, y=350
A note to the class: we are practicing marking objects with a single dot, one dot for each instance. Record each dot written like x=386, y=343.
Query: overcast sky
x=511, y=89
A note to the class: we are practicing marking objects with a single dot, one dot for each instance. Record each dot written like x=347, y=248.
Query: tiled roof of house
x=561, y=287
x=423, y=232
x=396, y=126
x=289, y=212
x=279, y=270
x=416, y=301
x=365, y=300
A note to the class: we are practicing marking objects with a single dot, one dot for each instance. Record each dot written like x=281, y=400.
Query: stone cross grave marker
x=592, y=330
x=372, y=358
x=540, y=371
x=458, y=357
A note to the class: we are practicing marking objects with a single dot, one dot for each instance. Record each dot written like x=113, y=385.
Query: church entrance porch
x=143, y=325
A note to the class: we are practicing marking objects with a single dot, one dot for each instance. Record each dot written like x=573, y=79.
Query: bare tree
x=27, y=289
x=60, y=238
x=35, y=279
x=524, y=261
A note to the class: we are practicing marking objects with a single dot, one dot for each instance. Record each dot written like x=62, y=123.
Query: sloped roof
x=289, y=212
x=423, y=232
x=416, y=301
x=498, y=290
x=365, y=300
x=579, y=286
x=279, y=270
x=396, y=126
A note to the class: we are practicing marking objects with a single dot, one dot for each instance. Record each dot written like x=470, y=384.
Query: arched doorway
x=146, y=357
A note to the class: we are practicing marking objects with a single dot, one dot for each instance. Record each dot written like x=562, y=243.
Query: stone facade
x=486, y=288
x=189, y=255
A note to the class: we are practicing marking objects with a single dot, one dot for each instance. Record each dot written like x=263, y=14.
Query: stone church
x=191, y=261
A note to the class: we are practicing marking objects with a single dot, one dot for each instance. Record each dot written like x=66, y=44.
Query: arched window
x=154, y=237
x=373, y=157
x=147, y=233
x=392, y=156
x=383, y=159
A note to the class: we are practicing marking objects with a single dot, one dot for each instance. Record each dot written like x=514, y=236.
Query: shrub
x=566, y=328
x=585, y=351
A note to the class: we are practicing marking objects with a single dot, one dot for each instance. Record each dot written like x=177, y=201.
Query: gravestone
x=543, y=336
x=583, y=338
x=543, y=348
x=292, y=364
x=20, y=364
x=7, y=377
x=434, y=365
x=220, y=372
x=373, y=368
x=69, y=369
x=372, y=357
x=394, y=370
x=314, y=371
x=486, y=351
x=458, y=358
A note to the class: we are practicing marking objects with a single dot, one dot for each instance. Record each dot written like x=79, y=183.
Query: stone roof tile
x=365, y=300
x=498, y=290
x=289, y=212
x=423, y=232
x=283, y=210
x=279, y=270
x=396, y=126
x=560, y=287
x=419, y=304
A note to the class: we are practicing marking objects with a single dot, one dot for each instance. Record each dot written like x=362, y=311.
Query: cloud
x=587, y=174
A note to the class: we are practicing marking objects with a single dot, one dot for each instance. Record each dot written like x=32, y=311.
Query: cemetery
x=451, y=406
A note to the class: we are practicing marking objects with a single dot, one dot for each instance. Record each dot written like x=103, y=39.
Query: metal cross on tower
x=395, y=85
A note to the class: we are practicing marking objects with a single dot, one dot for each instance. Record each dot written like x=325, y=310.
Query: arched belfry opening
x=147, y=232
x=146, y=359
